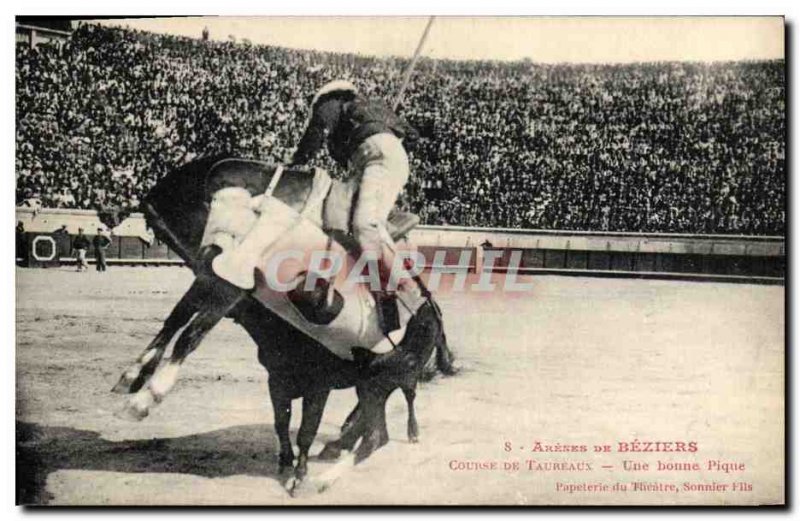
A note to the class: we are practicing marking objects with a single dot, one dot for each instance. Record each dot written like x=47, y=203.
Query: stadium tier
x=662, y=147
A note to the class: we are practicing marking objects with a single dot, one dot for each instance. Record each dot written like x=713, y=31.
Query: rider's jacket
x=345, y=124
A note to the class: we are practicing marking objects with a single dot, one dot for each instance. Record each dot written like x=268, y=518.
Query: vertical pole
x=410, y=69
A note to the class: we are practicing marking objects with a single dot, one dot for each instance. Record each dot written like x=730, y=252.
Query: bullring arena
x=576, y=360
x=643, y=199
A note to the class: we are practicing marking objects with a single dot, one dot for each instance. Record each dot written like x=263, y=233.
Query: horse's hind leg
x=222, y=299
x=410, y=393
x=137, y=374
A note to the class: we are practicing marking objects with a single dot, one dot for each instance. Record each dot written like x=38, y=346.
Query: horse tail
x=445, y=359
x=442, y=360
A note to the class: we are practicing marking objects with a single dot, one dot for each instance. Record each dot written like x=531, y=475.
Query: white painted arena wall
x=560, y=252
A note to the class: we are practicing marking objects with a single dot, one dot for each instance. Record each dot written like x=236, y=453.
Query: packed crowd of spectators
x=663, y=147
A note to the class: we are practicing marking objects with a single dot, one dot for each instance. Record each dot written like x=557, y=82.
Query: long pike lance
x=410, y=69
x=406, y=78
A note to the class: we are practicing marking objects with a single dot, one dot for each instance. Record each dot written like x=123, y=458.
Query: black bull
x=177, y=210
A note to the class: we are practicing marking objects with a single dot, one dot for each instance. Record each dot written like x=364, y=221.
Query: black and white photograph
x=400, y=260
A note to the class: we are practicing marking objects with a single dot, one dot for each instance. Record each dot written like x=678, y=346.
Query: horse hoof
x=297, y=487
x=129, y=384
x=333, y=473
x=124, y=386
x=321, y=485
x=121, y=388
x=138, y=406
x=413, y=432
x=450, y=370
x=330, y=452
x=290, y=485
x=285, y=462
x=130, y=412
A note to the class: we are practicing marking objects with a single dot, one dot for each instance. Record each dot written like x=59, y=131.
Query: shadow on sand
x=241, y=450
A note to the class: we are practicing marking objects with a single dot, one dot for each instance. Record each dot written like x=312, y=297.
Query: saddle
x=317, y=209
x=311, y=191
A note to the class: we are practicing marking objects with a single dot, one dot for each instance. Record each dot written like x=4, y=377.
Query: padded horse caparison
x=310, y=192
x=294, y=188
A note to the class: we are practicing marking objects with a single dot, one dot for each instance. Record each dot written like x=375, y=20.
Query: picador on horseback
x=229, y=218
x=365, y=137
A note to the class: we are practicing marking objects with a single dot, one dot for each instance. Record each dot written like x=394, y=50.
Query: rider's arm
x=323, y=122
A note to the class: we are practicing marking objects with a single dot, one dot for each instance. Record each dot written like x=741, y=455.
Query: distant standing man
x=101, y=244
x=62, y=240
x=22, y=250
x=81, y=245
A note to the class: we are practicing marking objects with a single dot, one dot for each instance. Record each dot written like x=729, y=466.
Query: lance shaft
x=410, y=69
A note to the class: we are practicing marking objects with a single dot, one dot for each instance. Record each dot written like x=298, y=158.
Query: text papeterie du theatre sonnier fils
x=642, y=466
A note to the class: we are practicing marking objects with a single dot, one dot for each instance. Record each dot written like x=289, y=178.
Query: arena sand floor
x=576, y=361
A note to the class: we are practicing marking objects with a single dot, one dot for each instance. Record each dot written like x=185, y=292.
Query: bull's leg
x=350, y=435
x=383, y=438
x=282, y=412
x=368, y=425
x=313, y=407
x=137, y=374
x=351, y=419
x=222, y=299
x=410, y=393
x=351, y=430
x=375, y=433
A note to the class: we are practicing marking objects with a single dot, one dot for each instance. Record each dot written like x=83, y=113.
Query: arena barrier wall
x=651, y=255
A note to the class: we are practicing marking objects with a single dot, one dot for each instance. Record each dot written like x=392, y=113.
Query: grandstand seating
x=661, y=147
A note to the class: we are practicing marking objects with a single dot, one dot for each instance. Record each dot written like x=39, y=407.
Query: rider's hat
x=342, y=86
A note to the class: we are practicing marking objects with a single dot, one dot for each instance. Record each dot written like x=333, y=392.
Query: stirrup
x=388, y=312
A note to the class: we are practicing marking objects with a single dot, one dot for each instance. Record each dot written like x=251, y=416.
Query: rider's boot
x=238, y=264
x=387, y=310
x=386, y=298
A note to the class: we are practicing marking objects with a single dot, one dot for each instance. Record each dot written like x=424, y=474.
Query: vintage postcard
x=438, y=261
